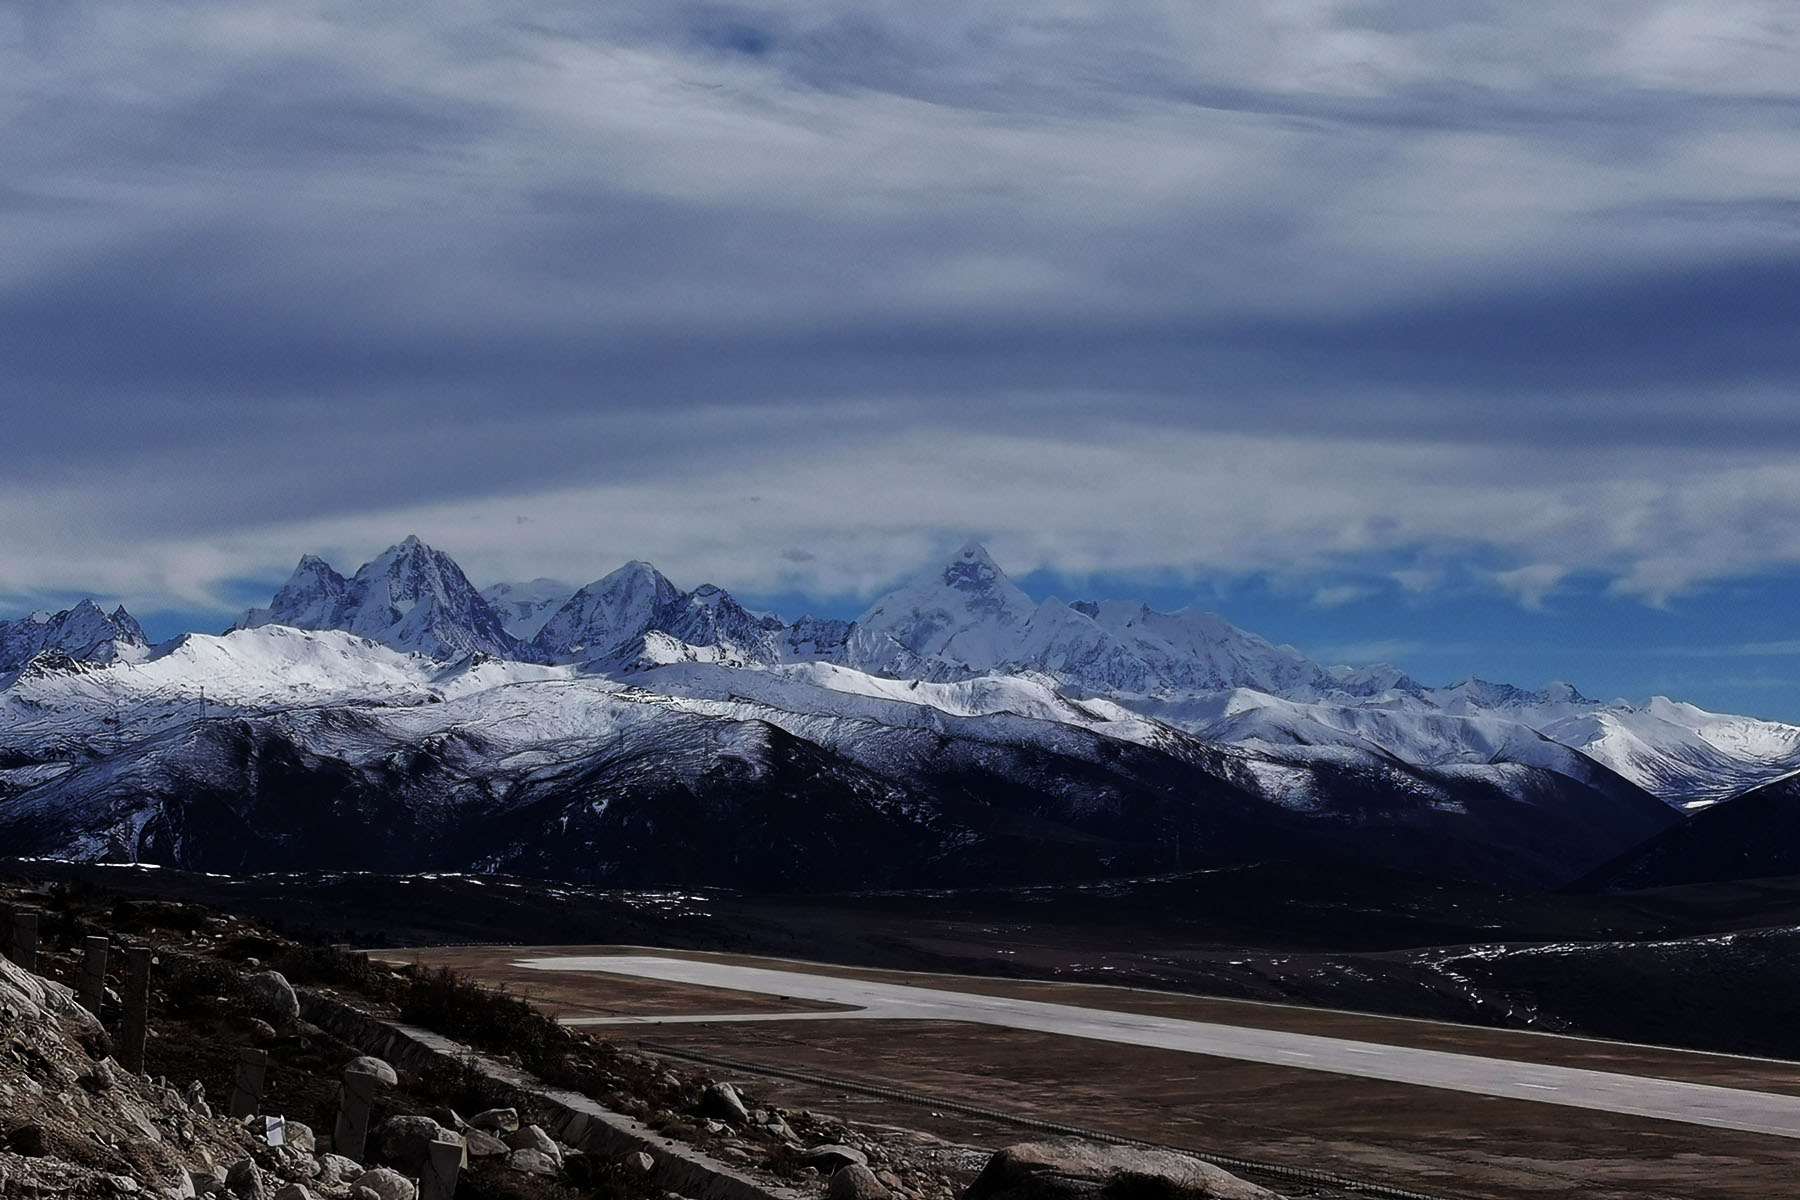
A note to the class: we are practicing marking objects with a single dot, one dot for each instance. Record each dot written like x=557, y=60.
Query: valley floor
x=1304, y=1112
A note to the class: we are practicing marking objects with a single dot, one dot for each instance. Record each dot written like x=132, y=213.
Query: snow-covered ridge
x=956, y=641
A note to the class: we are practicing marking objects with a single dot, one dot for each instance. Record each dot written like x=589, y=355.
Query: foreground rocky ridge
x=73, y=1123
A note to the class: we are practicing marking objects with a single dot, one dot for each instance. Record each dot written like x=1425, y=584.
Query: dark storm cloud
x=306, y=271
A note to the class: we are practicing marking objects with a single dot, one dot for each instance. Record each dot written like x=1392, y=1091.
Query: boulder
x=244, y=1179
x=386, y=1183
x=533, y=1138
x=405, y=1141
x=293, y=1166
x=855, y=1182
x=830, y=1158
x=202, y=1182
x=337, y=1171
x=273, y=995
x=482, y=1144
x=370, y=1065
x=293, y=1191
x=532, y=1162
x=1072, y=1169
x=640, y=1162
x=722, y=1102
x=300, y=1137
x=448, y=1119
x=496, y=1120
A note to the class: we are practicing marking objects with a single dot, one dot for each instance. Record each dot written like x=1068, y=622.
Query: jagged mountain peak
x=973, y=572
x=409, y=555
x=409, y=597
x=310, y=570
x=713, y=604
x=606, y=613
x=960, y=617
x=312, y=598
x=82, y=633
x=705, y=625
x=1485, y=693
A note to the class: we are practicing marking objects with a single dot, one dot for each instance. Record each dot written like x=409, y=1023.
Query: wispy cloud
x=1776, y=649
x=1133, y=287
x=1362, y=654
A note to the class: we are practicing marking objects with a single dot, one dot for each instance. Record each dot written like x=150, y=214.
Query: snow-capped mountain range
x=630, y=729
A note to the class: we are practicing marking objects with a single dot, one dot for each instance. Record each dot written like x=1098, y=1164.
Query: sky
x=1458, y=334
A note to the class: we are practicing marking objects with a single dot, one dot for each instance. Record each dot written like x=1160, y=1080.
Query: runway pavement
x=1698, y=1104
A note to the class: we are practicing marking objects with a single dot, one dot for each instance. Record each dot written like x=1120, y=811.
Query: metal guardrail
x=940, y=1104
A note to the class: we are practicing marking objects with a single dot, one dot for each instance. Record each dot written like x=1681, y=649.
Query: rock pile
x=73, y=1123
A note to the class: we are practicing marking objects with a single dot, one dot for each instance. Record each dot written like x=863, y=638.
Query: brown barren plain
x=1443, y=1142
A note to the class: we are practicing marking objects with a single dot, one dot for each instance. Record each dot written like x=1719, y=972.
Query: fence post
x=25, y=938
x=351, y=1135
x=247, y=1088
x=443, y=1163
x=134, y=1027
x=93, y=975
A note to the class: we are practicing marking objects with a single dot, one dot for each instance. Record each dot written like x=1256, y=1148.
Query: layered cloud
x=789, y=295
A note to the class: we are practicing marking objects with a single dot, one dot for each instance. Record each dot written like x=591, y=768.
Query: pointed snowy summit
x=606, y=613
x=961, y=618
x=410, y=597
x=85, y=633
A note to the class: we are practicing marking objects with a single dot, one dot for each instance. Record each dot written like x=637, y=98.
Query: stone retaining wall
x=576, y=1121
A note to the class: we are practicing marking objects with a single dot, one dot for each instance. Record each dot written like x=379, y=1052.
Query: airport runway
x=1692, y=1103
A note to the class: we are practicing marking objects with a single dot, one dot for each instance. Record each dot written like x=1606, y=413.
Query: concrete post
x=25, y=938
x=351, y=1136
x=247, y=1088
x=135, y=1024
x=93, y=975
x=443, y=1163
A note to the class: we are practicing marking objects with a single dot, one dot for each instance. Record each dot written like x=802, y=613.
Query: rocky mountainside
x=1752, y=836
x=76, y=1124
x=83, y=634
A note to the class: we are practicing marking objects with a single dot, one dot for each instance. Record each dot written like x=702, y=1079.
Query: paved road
x=1697, y=1104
